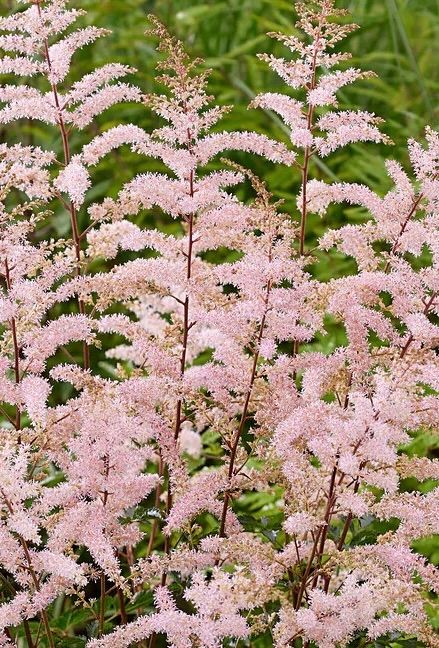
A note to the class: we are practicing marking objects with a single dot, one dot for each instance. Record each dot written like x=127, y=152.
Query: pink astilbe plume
x=28, y=272
x=39, y=41
x=186, y=456
x=38, y=45
x=316, y=126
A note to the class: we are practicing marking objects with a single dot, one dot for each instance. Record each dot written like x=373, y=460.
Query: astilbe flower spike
x=36, y=38
x=127, y=472
x=311, y=72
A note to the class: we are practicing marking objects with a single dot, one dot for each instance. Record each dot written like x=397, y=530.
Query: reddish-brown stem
x=305, y=169
x=16, y=349
x=239, y=431
x=122, y=609
x=27, y=634
x=308, y=150
x=304, y=210
x=33, y=575
x=319, y=541
x=17, y=424
x=347, y=524
x=411, y=213
x=187, y=325
x=158, y=492
x=327, y=519
x=307, y=570
x=411, y=337
x=102, y=605
x=105, y=493
x=76, y=235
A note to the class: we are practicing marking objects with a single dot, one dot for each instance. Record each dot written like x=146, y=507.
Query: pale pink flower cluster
x=147, y=401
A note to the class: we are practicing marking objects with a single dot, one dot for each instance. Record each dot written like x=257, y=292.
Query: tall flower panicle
x=39, y=42
x=29, y=273
x=176, y=283
x=316, y=125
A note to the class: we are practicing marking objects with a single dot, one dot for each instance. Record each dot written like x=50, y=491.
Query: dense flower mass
x=156, y=384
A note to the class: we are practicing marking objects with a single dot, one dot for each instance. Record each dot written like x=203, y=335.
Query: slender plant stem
x=33, y=575
x=327, y=519
x=17, y=423
x=410, y=339
x=76, y=235
x=123, y=613
x=307, y=570
x=16, y=349
x=412, y=212
x=348, y=521
x=237, y=437
x=308, y=149
x=305, y=168
x=102, y=605
x=187, y=325
x=158, y=492
x=102, y=597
